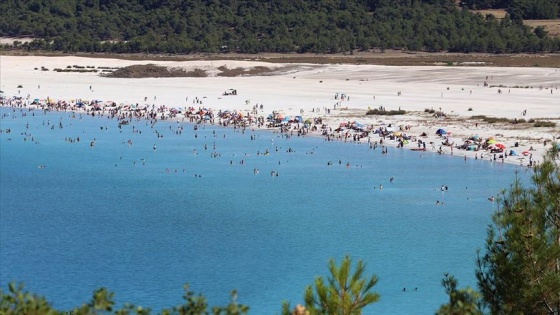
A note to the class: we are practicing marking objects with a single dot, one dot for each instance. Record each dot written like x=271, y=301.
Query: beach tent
x=441, y=132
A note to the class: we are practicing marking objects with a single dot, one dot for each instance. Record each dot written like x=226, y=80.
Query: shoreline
x=374, y=139
x=315, y=91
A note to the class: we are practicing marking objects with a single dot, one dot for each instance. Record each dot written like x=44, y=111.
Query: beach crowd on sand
x=436, y=105
x=376, y=136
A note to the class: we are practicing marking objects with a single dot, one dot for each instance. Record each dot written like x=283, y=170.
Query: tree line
x=518, y=273
x=258, y=26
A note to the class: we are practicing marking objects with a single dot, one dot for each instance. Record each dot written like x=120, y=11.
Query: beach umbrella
x=500, y=145
x=398, y=134
x=491, y=141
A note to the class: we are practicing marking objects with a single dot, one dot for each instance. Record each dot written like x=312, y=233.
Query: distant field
x=552, y=26
x=498, y=13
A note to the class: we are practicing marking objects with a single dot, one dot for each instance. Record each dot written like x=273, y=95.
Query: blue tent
x=441, y=132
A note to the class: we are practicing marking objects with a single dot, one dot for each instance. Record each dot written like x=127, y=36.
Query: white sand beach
x=309, y=90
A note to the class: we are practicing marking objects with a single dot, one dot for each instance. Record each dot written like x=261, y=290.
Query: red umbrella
x=500, y=145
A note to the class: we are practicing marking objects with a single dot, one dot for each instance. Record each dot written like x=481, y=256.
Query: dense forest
x=254, y=26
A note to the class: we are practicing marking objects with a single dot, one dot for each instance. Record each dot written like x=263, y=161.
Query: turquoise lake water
x=141, y=222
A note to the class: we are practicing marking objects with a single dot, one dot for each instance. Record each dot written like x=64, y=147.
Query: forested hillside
x=254, y=26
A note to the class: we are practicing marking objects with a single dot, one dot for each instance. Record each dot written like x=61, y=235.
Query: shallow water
x=139, y=221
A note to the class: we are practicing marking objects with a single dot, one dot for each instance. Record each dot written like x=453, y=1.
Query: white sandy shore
x=458, y=91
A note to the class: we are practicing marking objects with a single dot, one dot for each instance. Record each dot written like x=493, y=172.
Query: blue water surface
x=144, y=219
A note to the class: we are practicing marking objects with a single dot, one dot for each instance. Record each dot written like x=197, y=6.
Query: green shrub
x=385, y=112
x=478, y=117
x=540, y=123
x=492, y=120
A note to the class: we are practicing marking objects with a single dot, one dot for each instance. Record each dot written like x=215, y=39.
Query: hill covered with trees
x=255, y=26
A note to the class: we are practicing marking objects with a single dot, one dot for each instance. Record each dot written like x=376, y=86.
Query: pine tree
x=346, y=292
x=520, y=271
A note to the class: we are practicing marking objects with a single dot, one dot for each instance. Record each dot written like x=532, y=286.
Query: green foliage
x=519, y=273
x=16, y=302
x=540, y=31
x=19, y=302
x=492, y=120
x=135, y=26
x=461, y=301
x=535, y=9
x=345, y=292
